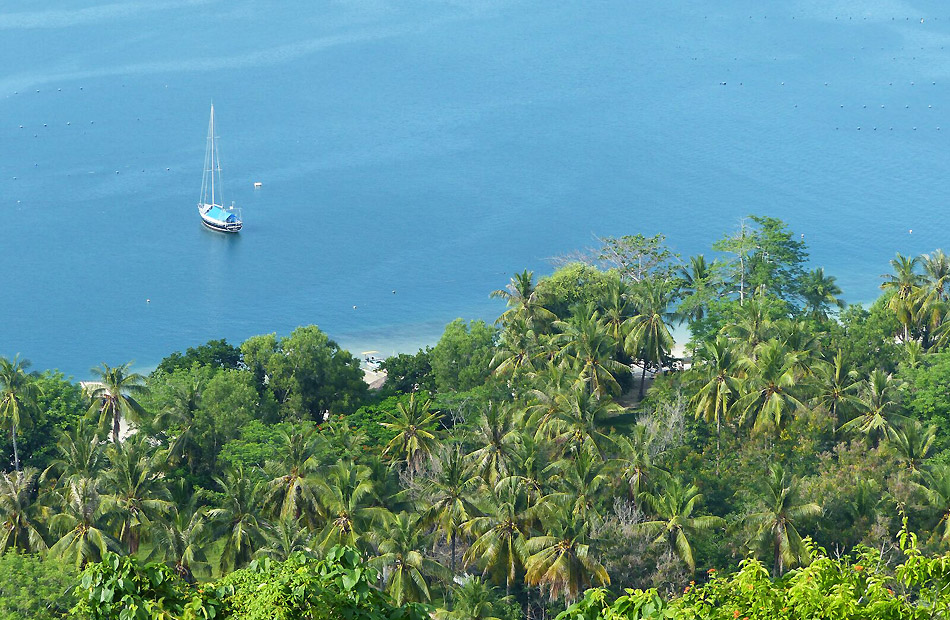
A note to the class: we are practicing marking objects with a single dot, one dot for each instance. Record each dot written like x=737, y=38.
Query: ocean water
x=415, y=153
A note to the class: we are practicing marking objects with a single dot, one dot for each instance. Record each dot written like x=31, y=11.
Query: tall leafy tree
x=408, y=569
x=650, y=339
x=913, y=442
x=449, y=497
x=521, y=296
x=293, y=490
x=586, y=347
x=136, y=494
x=836, y=388
x=719, y=384
x=821, y=293
x=562, y=561
x=236, y=519
x=675, y=524
x=19, y=515
x=350, y=504
x=501, y=532
x=18, y=395
x=285, y=537
x=935, y=489
x=903, y=288
x=115, y=396
x=80, y=524
x=416, y=438
x=496, y=439
x=79, y=453
x=771, y=391
x=774, y=527
x=698, y=287
x=183, y=541
x=879, y=411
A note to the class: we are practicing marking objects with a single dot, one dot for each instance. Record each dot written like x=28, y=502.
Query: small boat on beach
x=210, y=206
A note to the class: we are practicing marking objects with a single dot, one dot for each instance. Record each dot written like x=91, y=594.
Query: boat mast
x=214, y=164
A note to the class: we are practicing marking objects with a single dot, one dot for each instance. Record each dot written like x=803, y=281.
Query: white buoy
x=148, y=301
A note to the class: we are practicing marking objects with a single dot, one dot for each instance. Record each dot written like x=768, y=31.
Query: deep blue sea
x=432, y=148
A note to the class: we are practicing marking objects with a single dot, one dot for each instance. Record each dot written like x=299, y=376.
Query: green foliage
x=765, y=254
x=409, y=372
x=928, y=398
x=860, y=586
x=866, y=337
x=35, y=588
x=59, y=406
x=122, y=588
x=368, y=421
x=462, y=358
x=307, y=373
x=571, y=285
x=339, y=586
x=214, y=353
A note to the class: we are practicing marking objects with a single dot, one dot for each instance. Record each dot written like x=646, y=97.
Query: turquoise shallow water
x=432, y=148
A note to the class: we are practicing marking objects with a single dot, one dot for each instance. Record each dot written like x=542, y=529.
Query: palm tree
x=633, y=461
x=79, y=454
x=475, y=599
x=407, y=567
x=349, y=501
x=903, y=285
x=649, y=339
x=878, y=407
x=19, y=528
x=905, y=278
x=449, y=496
x=18, y=394
x=518, y=351
x=618, y=310
x=579, y=483
x=182, y=541
x=293, y=490
x=136, y=491
x=770, y=391
x=285, y=537
x=497, y=439
x=180, y=417
x=675, y=523
x=935, y=489
x=115, y=396
x=913, y=442
x=720, y=382
x=561, y=562
x=820, y=293
x=836, y=387
x=78, y=524
x=501, y=532
x=697, y=287
x=236, y=519
x=415, y=427
x=775, y=526
x=585, y=346
x=753, y=325
x=521, y=295
x=579, y=421
x=937, y=273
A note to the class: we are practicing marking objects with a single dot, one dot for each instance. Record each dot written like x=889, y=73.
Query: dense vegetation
x=512, y=466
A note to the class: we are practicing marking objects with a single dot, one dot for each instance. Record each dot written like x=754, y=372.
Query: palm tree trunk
x=116, y=419
x=643, y=378
x=16, y=453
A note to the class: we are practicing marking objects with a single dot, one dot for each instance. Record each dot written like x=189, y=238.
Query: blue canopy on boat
x=220, y=214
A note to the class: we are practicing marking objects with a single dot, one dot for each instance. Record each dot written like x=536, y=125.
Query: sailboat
x=210, y=206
